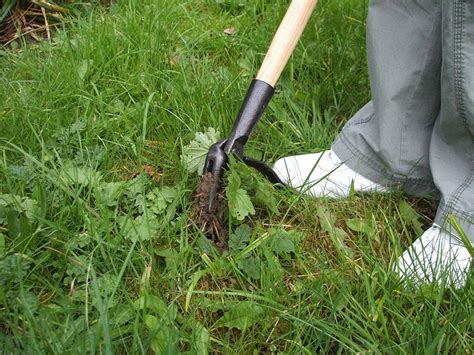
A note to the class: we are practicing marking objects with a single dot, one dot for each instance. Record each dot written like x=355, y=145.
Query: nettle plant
x=251, y=245
x=244, y=189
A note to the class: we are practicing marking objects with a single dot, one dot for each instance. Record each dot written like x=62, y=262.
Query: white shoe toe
x=322, y=175
x=435, y=256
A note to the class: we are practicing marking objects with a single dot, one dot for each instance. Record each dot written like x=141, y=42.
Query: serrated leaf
x=22, y=172
x=139, y=229
x=77, y=127
x=251, y=266
x=18, y=204
x=240, y=205
x=13, y=269
x=160, y=198
x=194, y=154
x=110, y=192
x=240, y=238
x=137, y=186
x=204, y=245
x=283, y=242
x=242, y=315
x=79, y=175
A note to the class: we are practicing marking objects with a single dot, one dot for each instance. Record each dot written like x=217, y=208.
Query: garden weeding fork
x=258, y=96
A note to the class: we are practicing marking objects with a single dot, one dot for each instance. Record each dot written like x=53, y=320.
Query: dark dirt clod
x=212, y=223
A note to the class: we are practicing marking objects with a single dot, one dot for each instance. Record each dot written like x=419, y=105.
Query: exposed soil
x=211, y=222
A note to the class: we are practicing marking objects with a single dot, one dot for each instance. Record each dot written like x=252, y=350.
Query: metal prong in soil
x=211, y=222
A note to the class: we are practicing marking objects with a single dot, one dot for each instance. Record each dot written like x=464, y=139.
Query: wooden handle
x=285, y=40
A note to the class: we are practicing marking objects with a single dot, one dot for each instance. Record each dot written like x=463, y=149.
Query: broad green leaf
x=83, y=68
x=251, y=266
x=78, y=241
x=204, y=245
x=79, y=175
x=361, y=225
x=159, y=199
x=241, y=315
x=152, y=302
x=171, y=259
x=13, y=222
x=78, y=269
x=141, y=228
x=240, y=205
x=22, y=172
x=137, y=186
x=194, y=154
x=110, y=192
x=7, y=200
x=18, y=204
x=201, y=339
x=164, y=335
x=13, y=269
x=265, y=195
x=338, y=236
x=29, y=207
x=123, y=315
x=283, y=242
x=240, y=238
x=326, y=219
x=116, y=106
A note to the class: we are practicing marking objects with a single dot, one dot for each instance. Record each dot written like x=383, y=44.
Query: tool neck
x=256, y=100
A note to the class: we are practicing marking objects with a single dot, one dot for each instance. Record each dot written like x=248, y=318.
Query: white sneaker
x=435, y=256
x=323, y=175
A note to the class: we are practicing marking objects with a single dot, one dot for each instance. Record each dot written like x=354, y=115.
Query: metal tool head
x=216, y=162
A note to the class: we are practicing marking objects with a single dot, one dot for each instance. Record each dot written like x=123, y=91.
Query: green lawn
x=98, y=256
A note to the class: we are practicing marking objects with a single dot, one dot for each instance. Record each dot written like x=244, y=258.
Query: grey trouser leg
x=417, y=133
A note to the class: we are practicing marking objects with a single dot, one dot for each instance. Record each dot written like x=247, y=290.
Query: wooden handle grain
x=285, y=40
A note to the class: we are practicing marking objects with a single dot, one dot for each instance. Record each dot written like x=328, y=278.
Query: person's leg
x=387, y=141
x=393, y=140
x=440, y=252
x=452, y=141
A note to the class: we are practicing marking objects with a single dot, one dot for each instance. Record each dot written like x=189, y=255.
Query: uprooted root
x=211, y=222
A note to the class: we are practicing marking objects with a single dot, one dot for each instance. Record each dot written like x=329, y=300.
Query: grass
x=96, y=256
